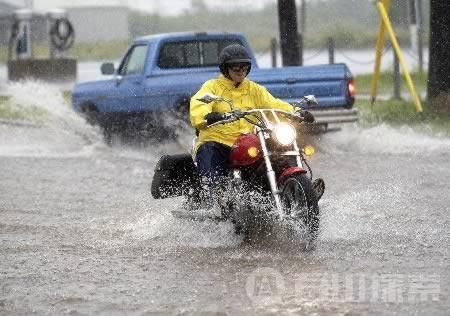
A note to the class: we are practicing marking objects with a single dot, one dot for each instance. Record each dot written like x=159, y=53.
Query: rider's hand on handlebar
x=306, y=116
x=214, y=117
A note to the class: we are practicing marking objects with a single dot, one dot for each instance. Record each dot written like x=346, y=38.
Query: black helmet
x=233, y=54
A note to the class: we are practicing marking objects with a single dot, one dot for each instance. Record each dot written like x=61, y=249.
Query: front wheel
x=300, y=205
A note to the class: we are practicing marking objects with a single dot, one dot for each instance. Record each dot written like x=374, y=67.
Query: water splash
x=348, y=216
x=56, y=131
x=384, y=139
x=351, y=215
x=157, y=224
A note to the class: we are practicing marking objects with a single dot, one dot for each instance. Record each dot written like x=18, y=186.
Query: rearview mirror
x=107, y=68
x=311, y=100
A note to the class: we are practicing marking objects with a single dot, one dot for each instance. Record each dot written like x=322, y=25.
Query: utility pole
x=302, y=25
x=439, y=62
x=303, y=17
x=419, y=12
x=415, y=28
x=289, y=39
x=412, y=24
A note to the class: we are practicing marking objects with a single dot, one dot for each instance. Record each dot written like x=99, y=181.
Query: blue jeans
x=212, y=159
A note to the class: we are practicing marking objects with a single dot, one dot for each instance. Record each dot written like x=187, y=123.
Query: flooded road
x=81, y=234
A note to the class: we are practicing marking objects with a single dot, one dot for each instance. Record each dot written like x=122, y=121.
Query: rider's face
x=238, y=72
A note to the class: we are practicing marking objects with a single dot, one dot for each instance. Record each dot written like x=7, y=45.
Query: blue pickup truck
x=159, y=74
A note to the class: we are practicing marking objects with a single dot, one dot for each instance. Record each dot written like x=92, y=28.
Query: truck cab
x=159, y=73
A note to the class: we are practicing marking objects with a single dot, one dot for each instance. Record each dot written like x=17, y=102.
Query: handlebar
x=234, y=115
x=309, y=100
x=238, y=114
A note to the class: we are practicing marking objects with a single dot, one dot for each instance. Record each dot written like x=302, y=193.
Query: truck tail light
x=351, y=88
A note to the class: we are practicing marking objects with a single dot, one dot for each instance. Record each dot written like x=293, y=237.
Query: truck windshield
x=134, y=61
x=186, y=54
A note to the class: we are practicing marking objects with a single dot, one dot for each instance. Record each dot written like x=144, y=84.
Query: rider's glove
x=306, y=116
x=213, y=117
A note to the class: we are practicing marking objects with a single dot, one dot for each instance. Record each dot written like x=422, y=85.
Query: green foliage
x=398, y=112
x=99, y=51
x=393, y=111
x=3, y=54
x=401, y=112
x=95, y=51
x=258, y=34
x=14, y=112
x=353, y=23
x=67, y=95
x=3, y=99
x=386, y=82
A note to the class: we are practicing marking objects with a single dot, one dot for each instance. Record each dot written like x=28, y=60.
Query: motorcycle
x=267, y=179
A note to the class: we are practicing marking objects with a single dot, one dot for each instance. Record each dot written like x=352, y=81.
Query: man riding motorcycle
x=214, y=143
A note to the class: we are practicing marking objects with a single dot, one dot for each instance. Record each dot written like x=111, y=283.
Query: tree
x=287, y=20
x=439, y=61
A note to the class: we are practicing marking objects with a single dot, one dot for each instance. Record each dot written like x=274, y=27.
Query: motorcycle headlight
x=284, y=134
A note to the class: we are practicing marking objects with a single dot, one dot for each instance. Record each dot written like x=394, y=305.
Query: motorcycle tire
x=236, y=209
x=300, y=203
x=249, y=210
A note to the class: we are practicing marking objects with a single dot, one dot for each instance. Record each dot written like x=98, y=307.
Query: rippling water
x=80, y=232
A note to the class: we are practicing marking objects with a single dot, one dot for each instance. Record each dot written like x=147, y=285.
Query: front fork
x=271, y=176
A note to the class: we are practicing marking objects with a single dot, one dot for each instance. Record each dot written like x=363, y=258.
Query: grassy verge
x=96, y=51
x=10, y=111
x=103, y=51
x=399, y=112
x=393, y=112
x=386, y=82
x=67, y=95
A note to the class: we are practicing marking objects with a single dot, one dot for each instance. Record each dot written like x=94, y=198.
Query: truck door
x=129, y=92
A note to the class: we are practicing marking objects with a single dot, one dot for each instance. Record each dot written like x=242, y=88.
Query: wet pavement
x=81, y=234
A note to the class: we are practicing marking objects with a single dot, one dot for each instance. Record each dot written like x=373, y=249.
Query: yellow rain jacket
x=248, y=95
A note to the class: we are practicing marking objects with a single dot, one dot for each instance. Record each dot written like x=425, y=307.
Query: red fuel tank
x=245, y=151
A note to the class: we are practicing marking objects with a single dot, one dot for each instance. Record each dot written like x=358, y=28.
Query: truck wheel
x=90, y=113
x=107, y=134
x=182, y=109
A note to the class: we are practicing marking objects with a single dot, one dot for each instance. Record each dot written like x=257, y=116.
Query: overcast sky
x=163, y=7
